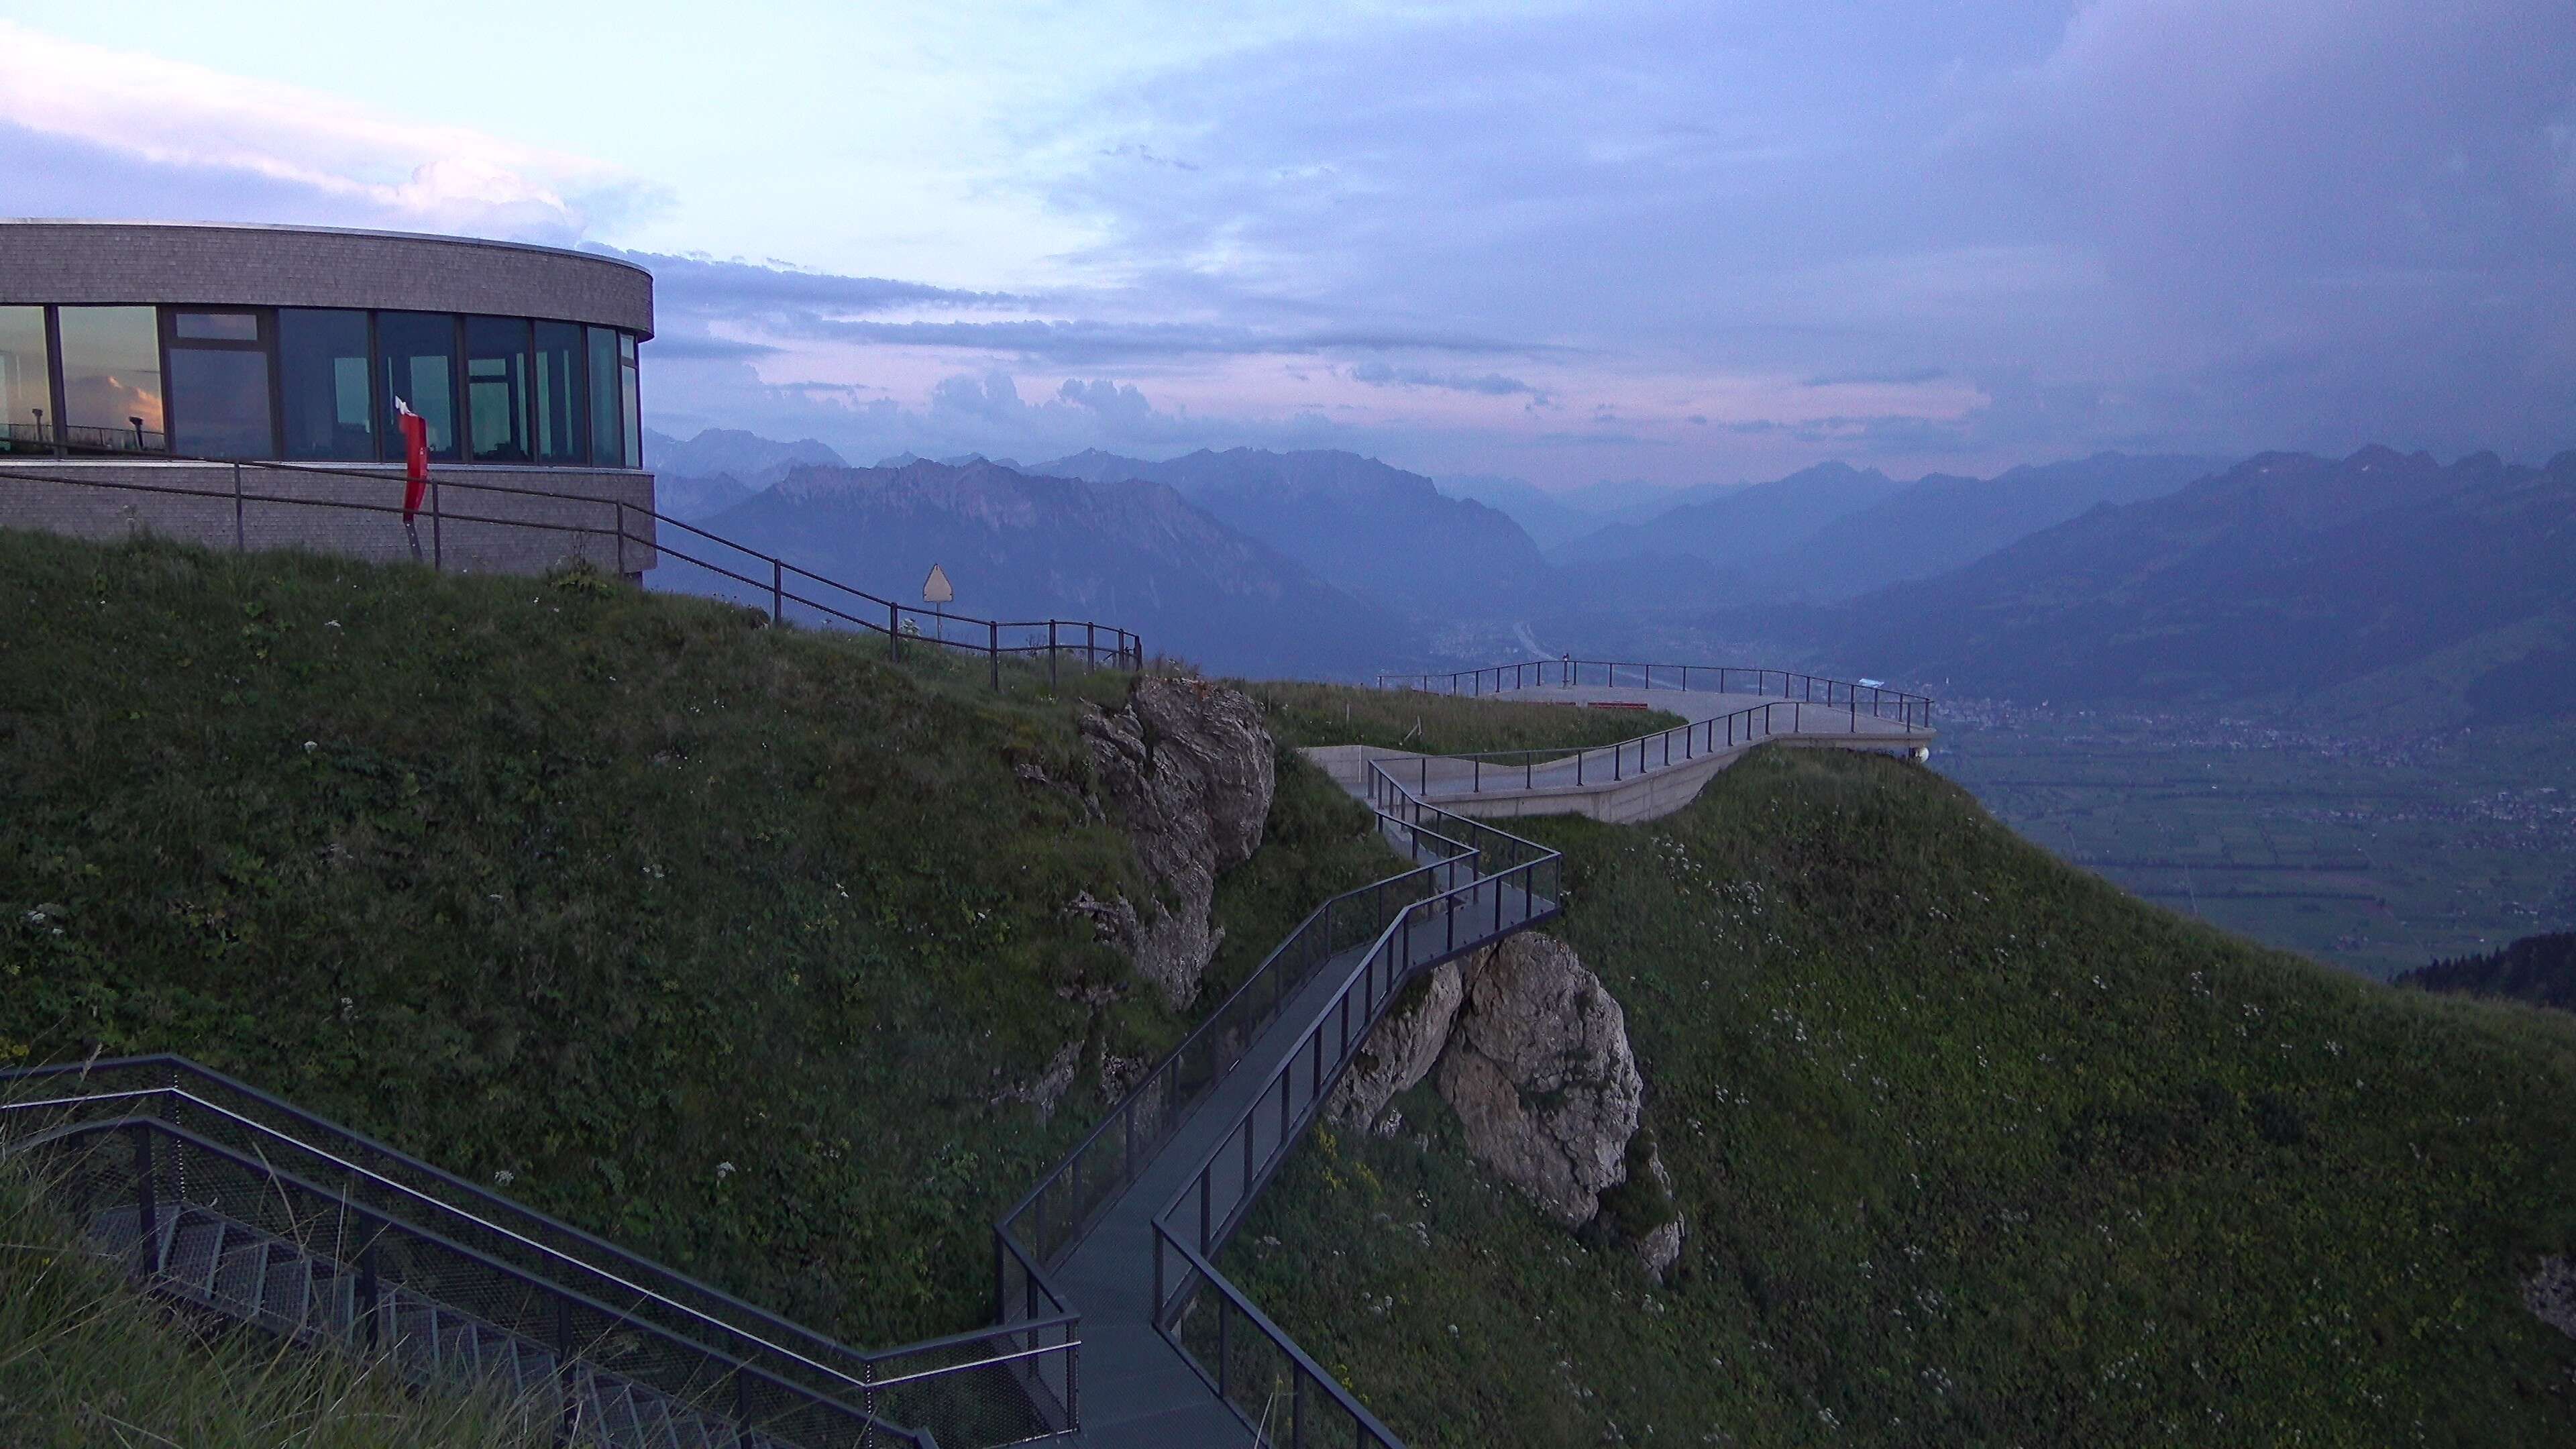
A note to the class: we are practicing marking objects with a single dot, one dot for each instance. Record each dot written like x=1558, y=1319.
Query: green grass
x=728, y=942
x=1975, y=1150
x=1328, y=714
x=87, y=1361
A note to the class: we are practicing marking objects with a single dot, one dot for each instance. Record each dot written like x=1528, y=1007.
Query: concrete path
x=1638, y=780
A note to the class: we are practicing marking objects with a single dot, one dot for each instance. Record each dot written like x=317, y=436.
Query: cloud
x=173, y=120
x=1894, y=377
x=1491, y=384
x=670, y=347
x=720, y=285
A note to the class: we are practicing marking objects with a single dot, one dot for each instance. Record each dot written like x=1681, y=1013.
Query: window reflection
x=419, y=351
x=112, y=380
x=607, y=419
x=316, y=384
x=322, y=382
x=219, y=386
x=496, y=388
x=560, y=409
x=629, y=393
x=26, y=382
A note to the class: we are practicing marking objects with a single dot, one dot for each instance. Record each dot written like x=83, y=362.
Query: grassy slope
x=1975, y=1150
x=721, y=941
x=1326, y=714
x=84, y=1360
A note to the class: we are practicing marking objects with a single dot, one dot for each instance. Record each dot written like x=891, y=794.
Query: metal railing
x=1044, y=1228
x=1879, y=701
x=635, y=533
x=996, y=1386
x=82, y=439
x=1479, y=772
x=1252, y=1364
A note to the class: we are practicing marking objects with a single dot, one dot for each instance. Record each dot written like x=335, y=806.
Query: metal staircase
x=238, y=1205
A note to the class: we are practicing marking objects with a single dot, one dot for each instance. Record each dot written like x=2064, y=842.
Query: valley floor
x=2375, y=855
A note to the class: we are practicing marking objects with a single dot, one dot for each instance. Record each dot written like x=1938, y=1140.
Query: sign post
x=937, y=592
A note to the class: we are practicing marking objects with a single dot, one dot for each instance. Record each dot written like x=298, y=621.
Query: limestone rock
x=2550, y=1293
x=1541, y=1075
x=1402, y=1051
x=1187, y=771
x=1661, y=1245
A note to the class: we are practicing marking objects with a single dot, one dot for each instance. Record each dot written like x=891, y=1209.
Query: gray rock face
x=1661, y=1247
x=1402, y=1050
x=1540, y=1073
x=2550, y=1293
x=1186, y=769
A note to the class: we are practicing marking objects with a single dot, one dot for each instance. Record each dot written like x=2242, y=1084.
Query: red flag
x=415, y=430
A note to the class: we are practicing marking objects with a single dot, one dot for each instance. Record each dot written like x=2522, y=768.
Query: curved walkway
x=1727, y=712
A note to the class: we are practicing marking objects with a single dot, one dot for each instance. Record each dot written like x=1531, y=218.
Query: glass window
x=322, y=382
x=215, y=326
x=496, y=389
x=629, y=395
x=607, y=424
x=419, y=352
x=560, y=410
x=112, y=380
x=219, y=399
x=26, y=382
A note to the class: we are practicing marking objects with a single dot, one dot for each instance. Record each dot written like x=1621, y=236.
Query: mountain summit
x=1384, y=533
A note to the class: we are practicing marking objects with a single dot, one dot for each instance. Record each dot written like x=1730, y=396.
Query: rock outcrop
x=1403, y=1049
x=1532, y=1052
x=1187, y=771
x=1541, y=1075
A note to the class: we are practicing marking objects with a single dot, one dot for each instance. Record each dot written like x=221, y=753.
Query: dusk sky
x=1685, y=243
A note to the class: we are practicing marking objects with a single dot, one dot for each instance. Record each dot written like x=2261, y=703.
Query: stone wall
x=464, y=529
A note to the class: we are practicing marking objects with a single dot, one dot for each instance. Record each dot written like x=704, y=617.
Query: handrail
x=709, y=1309
x=1568, y=672
x=1717, y=734
x=1152, y=1101
x=272, y=1173
x=1367, y=1432
x=1122, y=646
x=492, y=1205
x=1303, y=1082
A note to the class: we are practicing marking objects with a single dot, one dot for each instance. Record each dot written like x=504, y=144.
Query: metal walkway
x=1128, y=1227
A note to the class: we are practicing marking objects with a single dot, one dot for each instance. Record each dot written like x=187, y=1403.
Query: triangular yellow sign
x=935, y=589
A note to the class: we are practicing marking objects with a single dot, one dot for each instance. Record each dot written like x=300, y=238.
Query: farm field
x=2374, y=854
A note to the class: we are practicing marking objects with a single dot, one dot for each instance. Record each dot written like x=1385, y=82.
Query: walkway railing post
x=894, y=632
x=240, y=536
x=993, y=648
x=437, y=531
x=1050, y=654
x=777, y=592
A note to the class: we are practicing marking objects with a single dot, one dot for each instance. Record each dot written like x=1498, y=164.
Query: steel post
x=240, y=537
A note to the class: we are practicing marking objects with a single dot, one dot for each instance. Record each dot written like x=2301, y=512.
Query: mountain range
x=2376, y=588
x=1384, y=534
x=1033, y=546
x=2387, y=588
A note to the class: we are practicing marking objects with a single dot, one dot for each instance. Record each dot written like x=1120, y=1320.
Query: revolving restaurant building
x=237, y=386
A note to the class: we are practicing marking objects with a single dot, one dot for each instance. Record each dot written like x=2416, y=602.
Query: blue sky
x=1677, y=242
